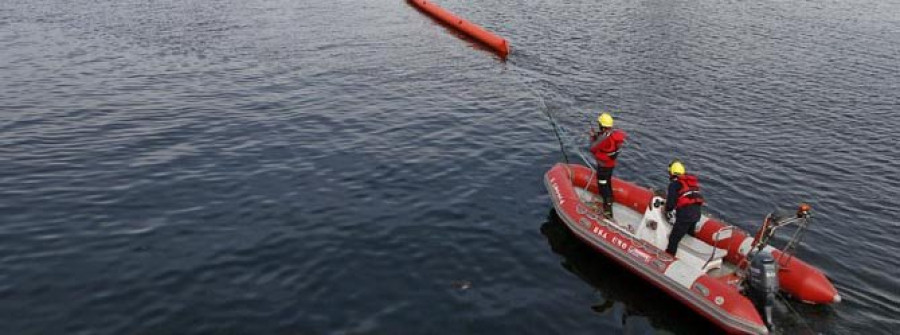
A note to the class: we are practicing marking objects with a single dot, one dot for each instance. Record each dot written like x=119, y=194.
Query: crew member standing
x=685, y=199
x=605, y=145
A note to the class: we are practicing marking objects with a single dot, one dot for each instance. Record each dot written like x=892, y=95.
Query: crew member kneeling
x=685, y=199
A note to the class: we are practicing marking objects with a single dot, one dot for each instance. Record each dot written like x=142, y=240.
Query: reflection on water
x=327, y=167
x=624, y=295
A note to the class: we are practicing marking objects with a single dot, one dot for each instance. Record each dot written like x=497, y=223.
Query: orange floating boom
x=497, y=43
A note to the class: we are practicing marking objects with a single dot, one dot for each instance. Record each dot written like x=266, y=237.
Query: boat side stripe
x=699, y=227
x=745, y=246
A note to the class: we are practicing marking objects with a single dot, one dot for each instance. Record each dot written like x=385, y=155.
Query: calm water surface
x=351, y=167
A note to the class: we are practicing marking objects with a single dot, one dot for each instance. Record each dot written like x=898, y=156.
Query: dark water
x=351, y=167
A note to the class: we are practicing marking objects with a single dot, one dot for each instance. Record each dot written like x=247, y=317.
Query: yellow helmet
x=605, y=120
x=676, y=168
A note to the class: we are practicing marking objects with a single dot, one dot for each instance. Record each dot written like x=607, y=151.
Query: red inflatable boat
x=712, y=270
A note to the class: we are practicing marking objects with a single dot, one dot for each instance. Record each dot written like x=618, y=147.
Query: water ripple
x=339, y=167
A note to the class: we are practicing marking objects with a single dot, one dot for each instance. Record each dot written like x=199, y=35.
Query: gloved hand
x=670, y=216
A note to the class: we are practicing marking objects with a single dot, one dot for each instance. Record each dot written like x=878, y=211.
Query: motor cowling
x=763, y=284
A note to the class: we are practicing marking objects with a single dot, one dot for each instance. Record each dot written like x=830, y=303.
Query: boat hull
x=716, y=300
x=795, y=277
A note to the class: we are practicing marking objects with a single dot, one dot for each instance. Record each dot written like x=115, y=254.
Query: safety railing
x=716, y=239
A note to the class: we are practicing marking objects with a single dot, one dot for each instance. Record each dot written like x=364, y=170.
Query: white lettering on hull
x=556, y=190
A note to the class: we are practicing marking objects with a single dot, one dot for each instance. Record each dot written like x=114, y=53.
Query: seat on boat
x=697, y=253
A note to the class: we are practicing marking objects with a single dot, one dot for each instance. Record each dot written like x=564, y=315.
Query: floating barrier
x=496, y=43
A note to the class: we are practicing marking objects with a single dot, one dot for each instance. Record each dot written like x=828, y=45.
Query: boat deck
x=691, y=250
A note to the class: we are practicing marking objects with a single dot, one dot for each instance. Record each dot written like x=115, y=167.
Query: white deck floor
x=691, y=250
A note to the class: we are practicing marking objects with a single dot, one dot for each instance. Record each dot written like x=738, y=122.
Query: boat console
x=655, y=229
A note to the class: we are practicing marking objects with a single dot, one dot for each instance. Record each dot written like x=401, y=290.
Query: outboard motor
x=763, y=284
